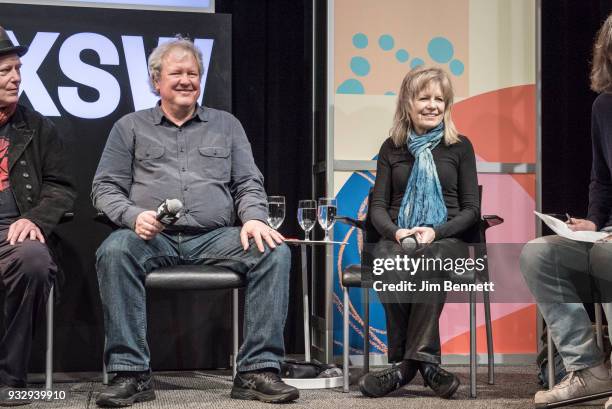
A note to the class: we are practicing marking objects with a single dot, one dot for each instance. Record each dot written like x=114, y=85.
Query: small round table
x=310, y=383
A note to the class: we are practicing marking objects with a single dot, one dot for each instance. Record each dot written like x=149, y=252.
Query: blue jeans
x=555, y=270
x=124, y=260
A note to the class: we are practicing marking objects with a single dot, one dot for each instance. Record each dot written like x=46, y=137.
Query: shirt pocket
x=215, y=162
x=149, y=152
x=151, y=160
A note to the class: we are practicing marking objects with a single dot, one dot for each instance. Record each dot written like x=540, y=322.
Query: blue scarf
x=423, y=203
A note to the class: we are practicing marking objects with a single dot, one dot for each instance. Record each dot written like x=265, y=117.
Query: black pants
x=413, y=330
x=27, y=271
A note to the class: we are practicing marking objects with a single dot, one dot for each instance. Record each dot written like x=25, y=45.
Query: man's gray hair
x=160, y=52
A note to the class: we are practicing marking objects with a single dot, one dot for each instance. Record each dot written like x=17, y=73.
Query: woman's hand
x=424, y=235
x=581, y=225
x=401, y=233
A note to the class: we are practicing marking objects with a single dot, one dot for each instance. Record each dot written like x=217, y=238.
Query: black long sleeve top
x=456, y=167
x=600, y=189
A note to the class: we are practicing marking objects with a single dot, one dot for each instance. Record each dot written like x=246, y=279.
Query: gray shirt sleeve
x=113, y=179
x=246, y=180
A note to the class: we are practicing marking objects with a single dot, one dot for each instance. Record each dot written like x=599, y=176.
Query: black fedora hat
x=7, y=46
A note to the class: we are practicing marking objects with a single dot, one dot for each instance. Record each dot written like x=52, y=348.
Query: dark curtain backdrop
x=568, y=31
x=271, y=94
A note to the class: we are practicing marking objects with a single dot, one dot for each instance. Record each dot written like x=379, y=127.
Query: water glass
x=307, y=216
x=276, y=211
x=326, y=214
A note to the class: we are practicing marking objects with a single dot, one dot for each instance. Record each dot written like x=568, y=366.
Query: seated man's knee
x=117, y=245
x=278, y=257
x=34, y=260
x=281, y=254
x=532, y=255
x=118, y=250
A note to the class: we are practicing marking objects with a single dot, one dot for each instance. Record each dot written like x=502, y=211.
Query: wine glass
x=276, y=211
x=307, y=216
x=326, y=213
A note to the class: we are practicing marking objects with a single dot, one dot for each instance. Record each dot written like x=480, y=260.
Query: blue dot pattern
x=416, y=62
x=440, y=50
x=360, y=66
x=402, y=55
x=386, y=42
x=456, y=67
x=351, y=86
x=360, y=40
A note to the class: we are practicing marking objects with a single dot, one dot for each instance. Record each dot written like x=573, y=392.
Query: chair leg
x=104, y=372
x=489, y=329
x=551, y=357
x=49, y=352
x=598, y=325
x=234, y=331
x=366, y=329
x=345, y=341
x=473, y=366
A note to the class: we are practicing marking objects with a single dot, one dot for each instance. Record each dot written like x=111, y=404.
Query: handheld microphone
x=409, y=243
x=169, y=211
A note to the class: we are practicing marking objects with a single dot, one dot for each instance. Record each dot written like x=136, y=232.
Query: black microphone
x=409, y=243
x=169, y=211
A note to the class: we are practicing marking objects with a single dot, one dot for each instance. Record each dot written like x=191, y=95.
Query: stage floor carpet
x=514, y=388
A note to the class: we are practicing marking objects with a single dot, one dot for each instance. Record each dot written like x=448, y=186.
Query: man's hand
x=23, y=229
x=147, y=226
x=259, y=231
x=581, y=225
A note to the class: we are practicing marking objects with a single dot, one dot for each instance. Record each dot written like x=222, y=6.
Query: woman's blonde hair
x=601, y=69
x=418, y=79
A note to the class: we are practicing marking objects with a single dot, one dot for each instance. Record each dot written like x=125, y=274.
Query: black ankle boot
x=443, y=383
x=380, y=383
x=127, y=388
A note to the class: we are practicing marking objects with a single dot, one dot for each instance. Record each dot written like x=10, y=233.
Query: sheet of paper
x=559, y=227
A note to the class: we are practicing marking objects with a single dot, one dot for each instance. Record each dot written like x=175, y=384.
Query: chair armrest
x=491, y=220
x=67, y=217
x=360, y=224
x=100, y=217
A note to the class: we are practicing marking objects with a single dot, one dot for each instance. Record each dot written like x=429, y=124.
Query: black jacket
x=38, y=170
x=600, y=189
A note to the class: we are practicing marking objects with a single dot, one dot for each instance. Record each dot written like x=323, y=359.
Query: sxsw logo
x=103, y=82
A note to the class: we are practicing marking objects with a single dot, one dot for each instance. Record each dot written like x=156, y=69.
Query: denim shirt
x=207, y=163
